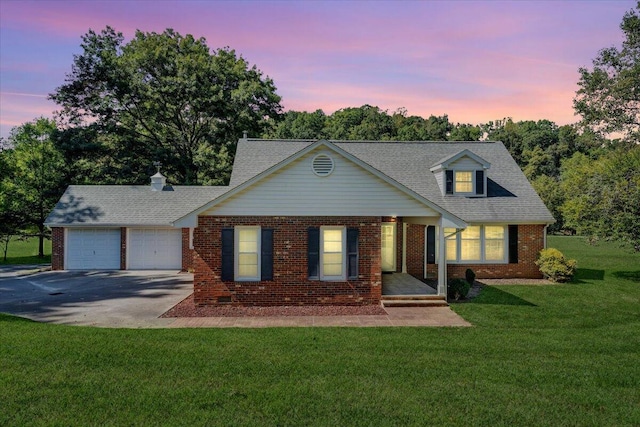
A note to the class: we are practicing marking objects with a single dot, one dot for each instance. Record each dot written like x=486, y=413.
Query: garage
x=93, y=249
x=154, y=249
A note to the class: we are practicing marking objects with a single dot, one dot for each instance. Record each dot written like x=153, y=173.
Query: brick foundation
x=290, y=284
x=57, y=248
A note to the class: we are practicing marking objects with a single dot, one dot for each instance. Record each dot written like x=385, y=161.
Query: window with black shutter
x=227, y=254
x=479, y=182
x=431, y=244
x=352, y=253
x=513, y=244
x=313, y=252
x=449, y=181
x=266, y=254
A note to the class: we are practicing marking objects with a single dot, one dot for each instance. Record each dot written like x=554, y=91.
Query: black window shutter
x=513, y=244
x=449, y=177
x=480, y=182
x=431, y=244
x=266, y=254
x=352, y=253
x=227, y=254
x=313, y=252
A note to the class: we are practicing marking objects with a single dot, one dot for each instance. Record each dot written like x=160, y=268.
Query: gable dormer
x=462, y=174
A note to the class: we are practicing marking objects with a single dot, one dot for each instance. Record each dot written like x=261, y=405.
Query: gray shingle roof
x=511, y=199
x=127, y=205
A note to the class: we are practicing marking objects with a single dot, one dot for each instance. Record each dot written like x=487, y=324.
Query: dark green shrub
x=457, y=289
x=554, y=266
x=470, y=276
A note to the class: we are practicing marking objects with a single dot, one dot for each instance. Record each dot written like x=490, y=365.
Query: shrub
x=555, y=266
x=470, y=276
x=457, y=289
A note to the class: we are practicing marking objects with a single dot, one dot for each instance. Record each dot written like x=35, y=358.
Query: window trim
x=236, y=253
x=474, y=182
x=342, y=277
x=457, y=238
x=472, y=173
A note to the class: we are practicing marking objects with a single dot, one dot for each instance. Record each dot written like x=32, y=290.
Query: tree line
x=170, y=98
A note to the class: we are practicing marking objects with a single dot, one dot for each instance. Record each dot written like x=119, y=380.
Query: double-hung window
x=333, y=253
x=476, y=244
x=463, y=181
x=247, y=263
x=247, y=254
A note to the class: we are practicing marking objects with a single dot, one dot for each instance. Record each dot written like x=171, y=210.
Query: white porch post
x=442, y=261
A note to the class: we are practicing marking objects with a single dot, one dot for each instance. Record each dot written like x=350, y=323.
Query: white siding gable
x=297, y=190
x=465, y=163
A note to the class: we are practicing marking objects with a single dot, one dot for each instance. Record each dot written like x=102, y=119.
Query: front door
x=388, y=243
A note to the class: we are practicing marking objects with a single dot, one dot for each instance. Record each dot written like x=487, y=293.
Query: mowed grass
x=537, y=355
x=25, y=252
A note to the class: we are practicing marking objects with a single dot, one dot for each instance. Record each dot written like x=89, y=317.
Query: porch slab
x=404, y=284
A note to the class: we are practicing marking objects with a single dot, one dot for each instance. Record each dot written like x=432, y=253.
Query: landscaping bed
x=187, y=308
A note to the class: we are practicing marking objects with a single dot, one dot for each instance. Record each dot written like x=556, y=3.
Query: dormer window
x=463, y=181
x=462, y=174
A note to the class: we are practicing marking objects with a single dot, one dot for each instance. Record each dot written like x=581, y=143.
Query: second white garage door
x=154, y=249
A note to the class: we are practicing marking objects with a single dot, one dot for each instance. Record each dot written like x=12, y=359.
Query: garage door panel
x=153, y=249
x=93, y=249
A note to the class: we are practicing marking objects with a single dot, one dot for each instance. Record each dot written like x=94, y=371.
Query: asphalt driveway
x=118, y=299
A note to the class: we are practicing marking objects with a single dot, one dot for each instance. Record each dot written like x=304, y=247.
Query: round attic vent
x=322, y=165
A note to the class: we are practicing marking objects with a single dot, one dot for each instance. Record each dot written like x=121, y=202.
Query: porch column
x=442, y=261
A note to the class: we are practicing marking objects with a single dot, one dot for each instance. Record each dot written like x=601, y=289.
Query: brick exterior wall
x=187, y=254
x=123, y=248
x=530, y=243
x=291, y=285
x=57, y=248
x=415, y=250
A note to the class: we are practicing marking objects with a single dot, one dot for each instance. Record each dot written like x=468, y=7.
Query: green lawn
x=25, y=252
x=538, y=355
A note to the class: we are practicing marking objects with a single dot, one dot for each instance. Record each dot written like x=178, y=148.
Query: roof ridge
x=365, y=141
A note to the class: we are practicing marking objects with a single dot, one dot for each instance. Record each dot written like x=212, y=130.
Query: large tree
x=32, y=183
x=609, y=95
x=602, y=196
x=167, y=97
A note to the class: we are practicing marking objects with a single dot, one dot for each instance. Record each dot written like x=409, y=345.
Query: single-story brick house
x=315, y=222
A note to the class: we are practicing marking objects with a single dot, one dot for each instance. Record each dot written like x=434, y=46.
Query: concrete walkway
x=396, y=316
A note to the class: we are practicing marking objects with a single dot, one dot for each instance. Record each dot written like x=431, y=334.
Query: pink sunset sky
x=473, y=60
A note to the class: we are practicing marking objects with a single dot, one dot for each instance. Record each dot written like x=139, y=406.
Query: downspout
x=544, y=245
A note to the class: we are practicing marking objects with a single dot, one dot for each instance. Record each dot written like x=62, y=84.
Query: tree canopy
x=32, y=183
x=603, y=195
x=608, y=98
x=165, y=97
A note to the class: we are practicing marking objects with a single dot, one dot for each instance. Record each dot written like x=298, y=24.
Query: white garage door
x=155, y=249
x=93, y=249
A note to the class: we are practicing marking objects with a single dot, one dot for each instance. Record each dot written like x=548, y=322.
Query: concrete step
x=413, y=297
x=441, y=302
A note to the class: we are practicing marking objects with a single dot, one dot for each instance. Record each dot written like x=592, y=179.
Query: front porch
x=404, y=290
